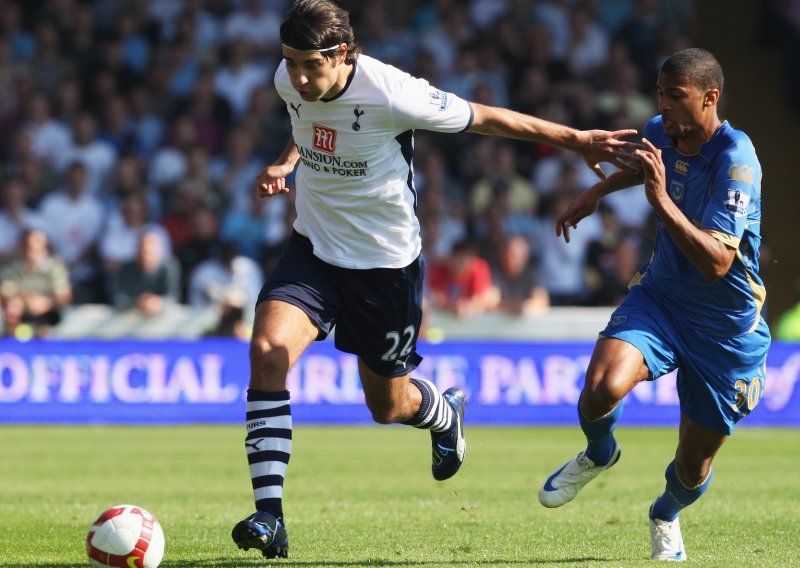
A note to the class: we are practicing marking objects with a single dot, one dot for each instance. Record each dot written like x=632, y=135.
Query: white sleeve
x=418, y=104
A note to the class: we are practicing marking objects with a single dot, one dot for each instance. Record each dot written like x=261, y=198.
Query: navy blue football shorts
x=720, y=379
x=377, y=312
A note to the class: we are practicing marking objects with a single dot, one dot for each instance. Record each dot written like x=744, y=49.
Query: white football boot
x=666, y=540
x=564, y=483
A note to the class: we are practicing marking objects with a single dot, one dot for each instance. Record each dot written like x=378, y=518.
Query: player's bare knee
x=267, y=359
x=599, y=397
x=692, y=472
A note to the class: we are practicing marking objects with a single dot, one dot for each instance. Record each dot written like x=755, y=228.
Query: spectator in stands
x=210, y=112
x=232, y=321
x=73, y=219
x=442, y=222
x=68, y=100
x=215, y=279
x=169, y=163
x=35, y=287
x=611, y=260
x=266, y=122
x=147, y=126
x=562, y=264
x=521, y=195
x=624, y=95
x=127, y=180
x=116, y=128
x=256, y=23
x=49, y=63
x=516, y=279
x=260, y=230
x=587, y=47
x=15, y=217
x=150, y=282
x=50, y=138
x=236, y=79
x=119, y=242
x=462, y=283
x=204, y=243
x=198, y=177
x=237, y=168
x=98, y=156
x=22, y=43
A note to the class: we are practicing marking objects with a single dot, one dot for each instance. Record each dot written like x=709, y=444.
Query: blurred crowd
x=133, y=132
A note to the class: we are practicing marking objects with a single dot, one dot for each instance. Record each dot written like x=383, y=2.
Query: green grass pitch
x=364, y=496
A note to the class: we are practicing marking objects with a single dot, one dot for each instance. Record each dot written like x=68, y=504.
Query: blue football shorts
x=377, y=312
x=720, y=379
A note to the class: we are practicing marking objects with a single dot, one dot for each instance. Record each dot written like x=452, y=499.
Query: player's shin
x=676, y=495
x=269, y=445
x=600, y=435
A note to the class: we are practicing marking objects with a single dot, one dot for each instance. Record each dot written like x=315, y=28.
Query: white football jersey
x=355, y=186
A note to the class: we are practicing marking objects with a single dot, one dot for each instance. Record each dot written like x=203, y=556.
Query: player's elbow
x=716, y=271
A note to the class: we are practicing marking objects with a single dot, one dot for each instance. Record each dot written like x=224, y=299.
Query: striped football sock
x=269, y=445
x=434, y=413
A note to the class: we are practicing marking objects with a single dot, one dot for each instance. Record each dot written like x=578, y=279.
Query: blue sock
x=676, y=496
x=600, y=435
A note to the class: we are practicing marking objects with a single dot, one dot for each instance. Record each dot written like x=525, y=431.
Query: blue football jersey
x=719, y=191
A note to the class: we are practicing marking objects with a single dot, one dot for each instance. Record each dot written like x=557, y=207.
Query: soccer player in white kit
x=354, y=259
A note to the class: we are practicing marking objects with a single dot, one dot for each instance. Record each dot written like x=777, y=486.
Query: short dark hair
x=317, y=25
x=698, y=65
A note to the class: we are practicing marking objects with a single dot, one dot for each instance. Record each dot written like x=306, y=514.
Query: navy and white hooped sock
x=269, y=445
x=676, y=496
x=434, y=413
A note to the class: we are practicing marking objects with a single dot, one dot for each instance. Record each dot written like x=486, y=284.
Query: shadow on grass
x=373, y=562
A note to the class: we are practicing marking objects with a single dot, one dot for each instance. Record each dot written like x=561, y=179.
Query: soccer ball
x=125, y=536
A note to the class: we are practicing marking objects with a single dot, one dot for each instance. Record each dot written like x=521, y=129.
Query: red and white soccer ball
x=125, y=536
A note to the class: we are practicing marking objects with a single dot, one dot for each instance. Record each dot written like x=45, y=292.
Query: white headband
x=311, y=50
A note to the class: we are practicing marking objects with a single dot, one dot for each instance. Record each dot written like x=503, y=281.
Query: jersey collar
x=346, y=85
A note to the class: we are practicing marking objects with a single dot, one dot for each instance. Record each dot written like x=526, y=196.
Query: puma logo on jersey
x=296, y=109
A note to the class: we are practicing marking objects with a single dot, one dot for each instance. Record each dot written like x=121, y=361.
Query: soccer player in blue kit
x=354, y=258
x=695, y=306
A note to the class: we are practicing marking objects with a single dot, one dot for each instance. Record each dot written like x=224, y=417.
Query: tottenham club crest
x=358, y=112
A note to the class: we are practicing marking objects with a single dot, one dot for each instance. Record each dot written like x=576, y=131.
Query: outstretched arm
x=587, y=202
x=594, y=145
x=272, y=179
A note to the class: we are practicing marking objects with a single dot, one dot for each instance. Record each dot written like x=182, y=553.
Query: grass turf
x=363, y=496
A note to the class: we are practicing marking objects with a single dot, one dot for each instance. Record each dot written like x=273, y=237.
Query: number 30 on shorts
x=747, y=395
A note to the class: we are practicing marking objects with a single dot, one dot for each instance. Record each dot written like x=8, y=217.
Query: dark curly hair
x=317, y=25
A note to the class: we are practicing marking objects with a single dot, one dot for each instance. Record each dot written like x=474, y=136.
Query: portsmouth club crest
x=676, y=191
x=618, y=320
x=358, y=112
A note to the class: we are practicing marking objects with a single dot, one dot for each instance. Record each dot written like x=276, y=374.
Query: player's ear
x=710, y=98
x=341, y=55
